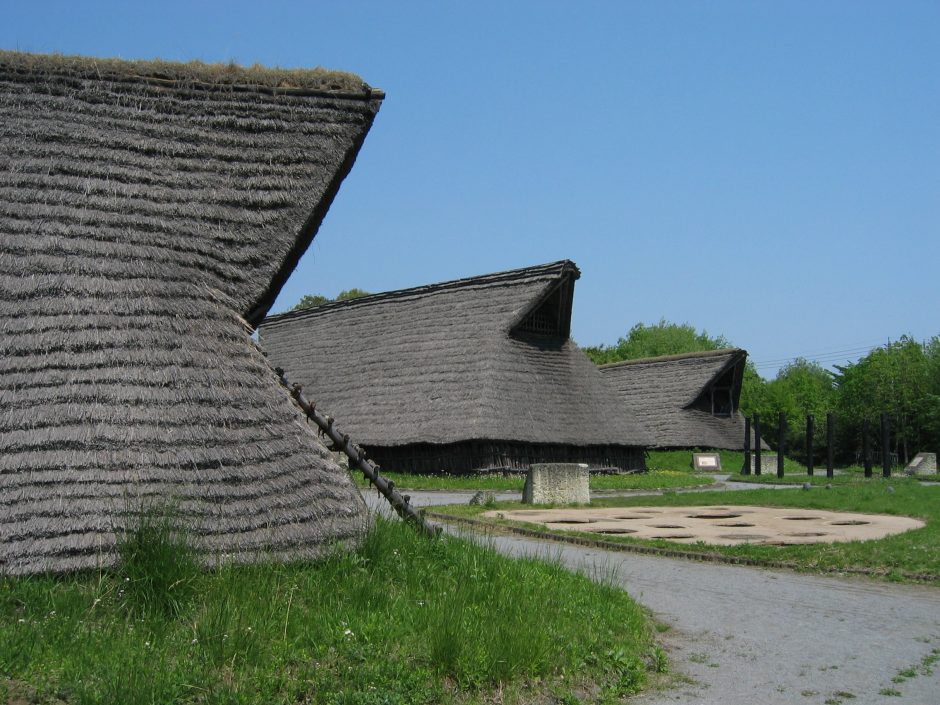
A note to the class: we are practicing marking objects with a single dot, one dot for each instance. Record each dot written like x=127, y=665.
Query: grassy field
x=401, y=620
x=911, y=555
x=842, y=476
x=732, y=461
x=654, y=480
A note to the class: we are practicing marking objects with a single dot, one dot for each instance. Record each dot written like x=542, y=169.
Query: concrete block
x=768, y=463
x=922, y=464
x=557, y=483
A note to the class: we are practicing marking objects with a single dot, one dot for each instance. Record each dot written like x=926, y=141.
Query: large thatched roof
x=484, y=358
x=147, y=212
x=672, y=397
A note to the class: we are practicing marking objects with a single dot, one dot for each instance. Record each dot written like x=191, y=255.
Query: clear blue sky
x=769, y=171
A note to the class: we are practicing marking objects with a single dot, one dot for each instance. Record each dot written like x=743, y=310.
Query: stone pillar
x=557, y=483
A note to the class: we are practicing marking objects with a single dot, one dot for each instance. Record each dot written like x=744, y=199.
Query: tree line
x=901, y=378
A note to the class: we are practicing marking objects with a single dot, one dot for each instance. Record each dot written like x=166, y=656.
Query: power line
x=857, y=347
x=822, y=357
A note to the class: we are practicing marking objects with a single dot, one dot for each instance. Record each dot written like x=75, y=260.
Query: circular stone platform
x=723, y=526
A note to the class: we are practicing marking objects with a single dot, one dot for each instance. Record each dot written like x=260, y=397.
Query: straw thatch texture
x=146, y=212
x=451, y=363
x=672, y=397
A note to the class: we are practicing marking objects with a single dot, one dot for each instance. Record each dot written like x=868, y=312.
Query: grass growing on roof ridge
x=900, y=557
x=190, y=72
x=401, y=620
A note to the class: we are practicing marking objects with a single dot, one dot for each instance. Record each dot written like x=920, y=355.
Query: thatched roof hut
x=465, y=375
x=149, y=214
x=684, y=401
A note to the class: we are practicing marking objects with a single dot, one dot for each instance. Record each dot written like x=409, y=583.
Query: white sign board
x=709, y=462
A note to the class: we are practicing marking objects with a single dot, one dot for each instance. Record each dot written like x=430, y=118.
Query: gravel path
x=748, y=636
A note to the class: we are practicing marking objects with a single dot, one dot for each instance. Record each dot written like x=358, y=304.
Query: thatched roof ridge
x=448, y=363
x=195, y=75
x=722, y=353
x=552, y=271
x=668, y=395
x=143, y=225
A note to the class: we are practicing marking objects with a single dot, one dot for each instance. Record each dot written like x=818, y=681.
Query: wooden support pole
x=866, y=447
x=781, y=443
x=830, y=443
x=757, y=459
x=747, y=447
x=810, y=429
x=885, y=445
x=385, y=487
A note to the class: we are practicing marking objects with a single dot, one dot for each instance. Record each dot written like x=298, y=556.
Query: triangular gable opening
x=721, y=396
x=551, y=317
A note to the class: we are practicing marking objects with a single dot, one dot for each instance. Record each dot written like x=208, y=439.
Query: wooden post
x=830, y=442
x=810, y=422
x=757, y=461
x=358, y=459
x=747, y=447
x=885, y=445
x=866, y=446
x=781, y=443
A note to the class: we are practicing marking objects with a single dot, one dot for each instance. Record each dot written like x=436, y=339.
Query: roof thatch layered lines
x=145, y=214
x=668, y=395
x=442, y=363
x=234, y=171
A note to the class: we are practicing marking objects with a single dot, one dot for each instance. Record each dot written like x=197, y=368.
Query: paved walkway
x=750, y=636
x=758, y=637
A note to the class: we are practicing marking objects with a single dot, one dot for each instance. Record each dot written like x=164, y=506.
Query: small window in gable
x=552, y=317
x=722, y=394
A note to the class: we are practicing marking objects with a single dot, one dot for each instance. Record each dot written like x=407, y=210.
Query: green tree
x=351, y=294
x=900, y=379
x=753, y=391
x=801, y=388
x=663, y=338
x=930, y=404
x=311, y=300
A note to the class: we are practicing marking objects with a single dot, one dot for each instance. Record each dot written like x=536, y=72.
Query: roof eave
x=260, y=309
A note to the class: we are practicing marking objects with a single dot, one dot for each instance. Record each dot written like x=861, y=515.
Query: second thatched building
x=684, y=401
x=462, y=376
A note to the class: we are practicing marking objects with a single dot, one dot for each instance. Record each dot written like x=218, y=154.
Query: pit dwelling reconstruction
x=149, y=214
x=722, y=526
x=476, y=374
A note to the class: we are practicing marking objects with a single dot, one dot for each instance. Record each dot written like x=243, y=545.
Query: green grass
x=842, y=476
x=732, y=461
x=900, y=557
x=654, y=480
x=401, y=620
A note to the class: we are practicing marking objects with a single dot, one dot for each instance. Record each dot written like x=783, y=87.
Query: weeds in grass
x=158, y=567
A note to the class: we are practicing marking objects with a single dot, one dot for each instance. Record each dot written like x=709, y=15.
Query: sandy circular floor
x=724, y=526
